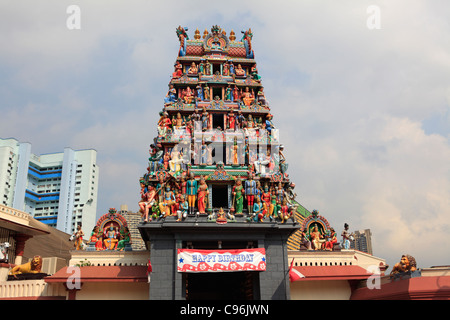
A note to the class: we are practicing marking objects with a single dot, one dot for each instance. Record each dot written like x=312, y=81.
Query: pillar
x=20, y=239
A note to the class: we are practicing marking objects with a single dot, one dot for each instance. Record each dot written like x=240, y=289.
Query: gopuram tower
x=217, y=203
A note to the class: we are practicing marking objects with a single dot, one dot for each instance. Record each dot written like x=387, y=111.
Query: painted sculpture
x=111, y=231
x=407, y=264
x=33, y=266
x=317, y=234
x=216, y=153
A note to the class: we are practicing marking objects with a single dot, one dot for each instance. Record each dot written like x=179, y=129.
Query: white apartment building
x=58, y=189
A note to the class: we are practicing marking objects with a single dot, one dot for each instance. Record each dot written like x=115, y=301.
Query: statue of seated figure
x=111, y=238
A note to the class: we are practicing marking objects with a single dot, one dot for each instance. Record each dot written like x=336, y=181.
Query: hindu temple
x=217, y=201
x=218, y=215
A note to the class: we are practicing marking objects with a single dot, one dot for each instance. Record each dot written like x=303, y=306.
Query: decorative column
x=20, y=239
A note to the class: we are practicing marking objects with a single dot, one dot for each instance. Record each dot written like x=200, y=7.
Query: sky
x=360, y=91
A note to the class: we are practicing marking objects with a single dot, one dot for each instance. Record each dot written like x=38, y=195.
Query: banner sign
x=191, y=260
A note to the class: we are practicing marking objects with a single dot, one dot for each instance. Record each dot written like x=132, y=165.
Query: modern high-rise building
x=58, y=189
x=362, y=241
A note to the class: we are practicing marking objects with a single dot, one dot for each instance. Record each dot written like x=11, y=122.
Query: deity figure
x=239, y=120
x=228, y=94
x=282, y=160
x=226, y=69
x=248, y=97
x=183, y=185
x=78, y=237
x=175, y=161
x=164, y=124
x=201, y=67
x=147, y=201
x=304, y=240
x=182, y=36
x=191, y=191
x=178, y=123
x=203, y=153
x=231, y=66
x=250, y=190
x=170, y=96
x=236, y=94
x=208, y=68
x=206, y=92
x=265, y=198
x=188, y=95
x=125, y=238
x=269, y=124
x=254, y=73
x=234, y=153
x=285, y=212
x=231, y=120
x=317, y=238
x=155, y=159
x=193, y=69
x=263, y=162
x=182, y=208
x=261, y=97
x=199, y=92
x=205, y=120
x=238, y=197
x=258, y=210
x=167, y=202
x=96, y=237
x=111, y=240
x=159, y=188
x=346, y=237
x=178, y=70
x=202, y=196
x=274, y=205
x=280, y=193
x=333, y=239
x=239, y=71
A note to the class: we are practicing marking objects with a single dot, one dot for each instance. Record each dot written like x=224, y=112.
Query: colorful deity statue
x=178, y=70
x=182, y=36
x=239, y=71
x=238, y=197
x=97, y=238
x=199, y=92
x=346, y=237
x=188, y=95
x=78, y=238
x=248, y=97
x=124, y=239
x=254, y=73
x=250, y=191
x=167, y=202
x=147, y=202
x=171, y=95
x=182, y=208
x=202, y=196
x=193, y=69
x=191, y=191
x=110, y=241
x=317, y=238
x=329, y=244
x=164, y=124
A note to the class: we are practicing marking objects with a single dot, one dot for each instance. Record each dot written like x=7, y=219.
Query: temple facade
x=217, y=186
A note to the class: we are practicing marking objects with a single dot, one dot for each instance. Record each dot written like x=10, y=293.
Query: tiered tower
x=217, y=202
x=217, y=147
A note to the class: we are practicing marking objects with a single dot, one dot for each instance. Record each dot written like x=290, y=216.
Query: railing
x=30, y=289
